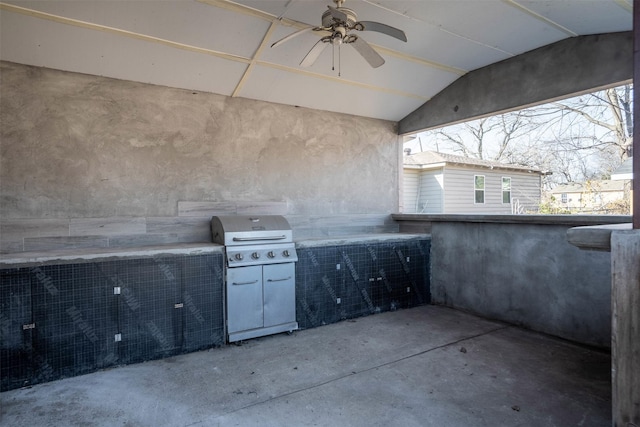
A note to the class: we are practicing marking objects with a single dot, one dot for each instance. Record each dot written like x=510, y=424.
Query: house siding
x=410, y=179
x=423, y=191
x=459, y=196
x=431, y=192
x=526, y=191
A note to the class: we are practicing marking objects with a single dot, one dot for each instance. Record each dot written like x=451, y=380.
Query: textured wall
x=90, y=162
x=85, y=146
x=568, y=67
x=525, y=274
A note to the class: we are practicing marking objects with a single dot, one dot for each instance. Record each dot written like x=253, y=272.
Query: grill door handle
x=245, y=283
x=250, y=239
x=279, y=280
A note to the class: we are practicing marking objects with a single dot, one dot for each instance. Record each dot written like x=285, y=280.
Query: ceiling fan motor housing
x=328, y=21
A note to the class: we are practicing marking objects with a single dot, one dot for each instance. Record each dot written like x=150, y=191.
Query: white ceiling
x=223, y=47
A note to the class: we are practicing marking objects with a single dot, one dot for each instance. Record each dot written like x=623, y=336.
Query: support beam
x=635, y=167
x=571, y=66
x=625, y=327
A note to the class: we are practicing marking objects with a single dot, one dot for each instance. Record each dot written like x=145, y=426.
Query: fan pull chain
x=333, y=56
x=339, y=59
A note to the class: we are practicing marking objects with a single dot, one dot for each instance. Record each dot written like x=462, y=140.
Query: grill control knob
x=270, y=254
x=285, y=253
x=255, y=255
x=239, y=257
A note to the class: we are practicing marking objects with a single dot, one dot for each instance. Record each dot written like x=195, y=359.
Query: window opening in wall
x=478, y=181
x=506, y=189
x=531, y=159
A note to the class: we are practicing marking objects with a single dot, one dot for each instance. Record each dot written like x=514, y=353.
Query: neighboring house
x=625, y=171
x=597, y=196
x=449, y=184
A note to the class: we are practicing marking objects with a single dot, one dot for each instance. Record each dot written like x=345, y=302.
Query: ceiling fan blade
x=337, y=14
x=314, y=53
x=290, y=36
x=384, y=29
x=372, y=57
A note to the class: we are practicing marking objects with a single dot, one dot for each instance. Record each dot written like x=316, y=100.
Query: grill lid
x=234, y=230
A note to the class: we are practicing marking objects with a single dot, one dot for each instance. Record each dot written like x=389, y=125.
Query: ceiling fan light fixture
x=338, y=35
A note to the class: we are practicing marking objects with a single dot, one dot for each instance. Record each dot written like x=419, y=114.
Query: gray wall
x=78, y=146
x=568, y=67
x=525, y=274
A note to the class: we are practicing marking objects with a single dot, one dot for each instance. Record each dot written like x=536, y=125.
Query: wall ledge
x=595, y=237
x=574, y=220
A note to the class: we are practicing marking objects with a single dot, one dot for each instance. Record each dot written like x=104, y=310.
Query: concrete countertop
x=574, y=220
x=351, y=240
x=76, y=256
x=594, y=237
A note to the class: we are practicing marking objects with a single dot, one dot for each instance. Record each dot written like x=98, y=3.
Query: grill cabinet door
x=244, y=298
x=279, y=294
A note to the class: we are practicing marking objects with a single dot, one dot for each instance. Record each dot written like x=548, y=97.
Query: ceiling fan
x=340, y=22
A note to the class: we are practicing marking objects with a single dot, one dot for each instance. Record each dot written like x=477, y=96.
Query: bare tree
x=490, y=138
x=577, y=139
x=610, y=113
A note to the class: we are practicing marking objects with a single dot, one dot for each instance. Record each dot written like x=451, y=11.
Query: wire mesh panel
x=65, y=320
x=347, y=281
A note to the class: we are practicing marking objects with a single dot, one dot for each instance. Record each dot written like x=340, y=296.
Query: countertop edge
x=594, y=237
x=74, y=256
x=355, y=239
x=71, y=256
x=537, y=219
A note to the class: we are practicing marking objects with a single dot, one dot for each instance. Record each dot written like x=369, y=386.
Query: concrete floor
x=427, y=366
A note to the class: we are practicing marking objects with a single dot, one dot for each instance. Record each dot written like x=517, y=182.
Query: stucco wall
x=525, y=274
x=81, y=146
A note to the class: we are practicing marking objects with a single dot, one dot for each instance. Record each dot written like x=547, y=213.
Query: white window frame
x=505, y=191
x=475, y=190
x=564, y=198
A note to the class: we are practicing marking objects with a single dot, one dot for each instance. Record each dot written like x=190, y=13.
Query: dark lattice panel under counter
x=64, y=320
x=343, y=281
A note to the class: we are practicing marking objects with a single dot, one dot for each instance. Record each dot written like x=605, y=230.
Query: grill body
x=260, y=274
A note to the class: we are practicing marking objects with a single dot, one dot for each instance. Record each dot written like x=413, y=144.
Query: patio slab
x=427, y=366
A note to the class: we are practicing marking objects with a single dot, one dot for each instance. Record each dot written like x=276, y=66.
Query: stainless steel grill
x=260, y=274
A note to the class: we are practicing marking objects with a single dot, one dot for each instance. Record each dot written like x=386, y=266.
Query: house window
x=506, y=190
x=478, y=181
x=563, y=197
